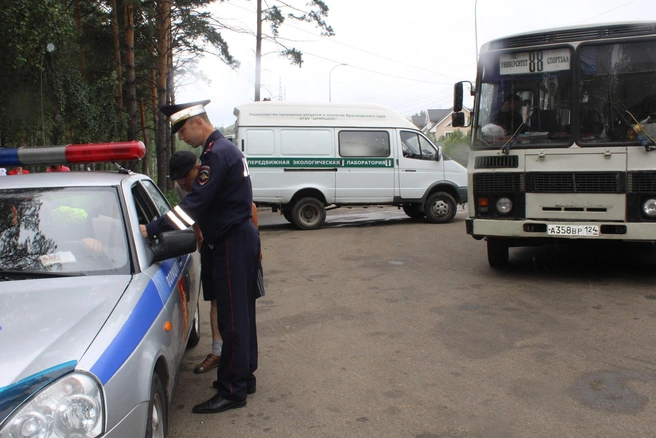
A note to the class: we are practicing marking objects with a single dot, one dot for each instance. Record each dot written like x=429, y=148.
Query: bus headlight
x=70, y=407
x=649, y=208
x=504, y=206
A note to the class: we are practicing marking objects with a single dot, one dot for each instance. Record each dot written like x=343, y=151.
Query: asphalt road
x=380, y=326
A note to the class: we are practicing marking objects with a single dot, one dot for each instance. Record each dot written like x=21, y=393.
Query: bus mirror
x=457, y=97
x=458, y=119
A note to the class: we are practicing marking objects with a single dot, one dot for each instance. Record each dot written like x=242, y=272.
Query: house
x=438, y=122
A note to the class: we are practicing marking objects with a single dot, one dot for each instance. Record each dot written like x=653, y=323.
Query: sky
x=405, y=54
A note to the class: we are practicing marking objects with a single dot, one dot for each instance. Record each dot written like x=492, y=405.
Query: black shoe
x=249, y=391
x=217, y=404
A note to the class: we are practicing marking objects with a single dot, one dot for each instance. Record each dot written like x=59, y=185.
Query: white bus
x=563, y=138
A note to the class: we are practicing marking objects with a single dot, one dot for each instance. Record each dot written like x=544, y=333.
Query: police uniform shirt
x=221, y=195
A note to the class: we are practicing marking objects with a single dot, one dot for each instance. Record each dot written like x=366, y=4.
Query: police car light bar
x=73, y=153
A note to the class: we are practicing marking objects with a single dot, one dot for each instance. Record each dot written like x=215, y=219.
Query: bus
x=563, y=138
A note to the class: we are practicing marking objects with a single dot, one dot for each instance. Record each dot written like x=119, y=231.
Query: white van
x=306, y=157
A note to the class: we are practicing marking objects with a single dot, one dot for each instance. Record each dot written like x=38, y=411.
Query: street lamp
x=50, y=47
x=476, y=28
x=330, y=96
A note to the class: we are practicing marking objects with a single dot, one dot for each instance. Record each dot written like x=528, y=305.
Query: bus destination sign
x=537, y=61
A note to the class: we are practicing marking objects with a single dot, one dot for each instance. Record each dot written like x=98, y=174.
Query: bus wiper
x=506, y=147
x=635, y=128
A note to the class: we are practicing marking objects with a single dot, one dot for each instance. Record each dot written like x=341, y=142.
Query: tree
x=276, y=17
x=456, y=146
x=60, y=85
x=46, y=97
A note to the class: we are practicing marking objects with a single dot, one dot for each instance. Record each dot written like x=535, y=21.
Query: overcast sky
x=405, y=54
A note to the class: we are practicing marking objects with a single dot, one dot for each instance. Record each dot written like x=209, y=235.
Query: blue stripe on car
x=139, y=322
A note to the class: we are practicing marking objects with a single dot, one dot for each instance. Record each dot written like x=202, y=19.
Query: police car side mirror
x=171, y=244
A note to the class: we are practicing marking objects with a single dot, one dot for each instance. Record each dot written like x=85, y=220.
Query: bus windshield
x=618, y=93
x=527, y=98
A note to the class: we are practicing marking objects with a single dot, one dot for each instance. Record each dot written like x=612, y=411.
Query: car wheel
x=194, y=336
x=413, y=210
x=497, y=253
x=440, y=208
x=308, y=214
x=157, y=424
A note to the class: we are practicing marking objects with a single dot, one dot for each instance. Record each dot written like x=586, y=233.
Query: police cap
x=181, y=163
x=180, y=112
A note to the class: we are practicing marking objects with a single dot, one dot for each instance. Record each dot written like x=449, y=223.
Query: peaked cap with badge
x=180, y=112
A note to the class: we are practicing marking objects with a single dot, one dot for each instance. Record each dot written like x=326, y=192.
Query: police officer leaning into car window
x=220, y=201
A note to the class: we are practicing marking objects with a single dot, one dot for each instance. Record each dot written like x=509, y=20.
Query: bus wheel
x=497, y=253
x=413, y=210
x=440, y=208
x=308, y=214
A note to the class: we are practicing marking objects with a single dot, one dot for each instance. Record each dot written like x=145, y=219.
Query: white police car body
x=95, y=319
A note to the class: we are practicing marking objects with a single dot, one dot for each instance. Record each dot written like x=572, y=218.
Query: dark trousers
x=234, y=262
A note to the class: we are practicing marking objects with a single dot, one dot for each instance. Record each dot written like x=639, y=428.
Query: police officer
x=220, y=201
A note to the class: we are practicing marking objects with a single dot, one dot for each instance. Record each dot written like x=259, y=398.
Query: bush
x=457, y=146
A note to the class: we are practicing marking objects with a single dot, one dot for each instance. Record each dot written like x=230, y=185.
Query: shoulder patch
x=203, y=175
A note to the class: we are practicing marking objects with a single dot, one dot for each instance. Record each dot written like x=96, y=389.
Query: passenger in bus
x=509, y=116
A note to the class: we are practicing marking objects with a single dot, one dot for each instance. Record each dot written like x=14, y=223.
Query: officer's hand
x=143, y=231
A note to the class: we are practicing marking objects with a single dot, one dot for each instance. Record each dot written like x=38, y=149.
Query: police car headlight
x=70, y=407
x=649, y=208
x=504, y=205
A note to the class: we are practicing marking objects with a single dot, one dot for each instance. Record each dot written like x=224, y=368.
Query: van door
x=366, y=173
x=418, y=168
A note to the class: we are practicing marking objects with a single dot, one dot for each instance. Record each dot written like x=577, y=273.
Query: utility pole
x=258, y=51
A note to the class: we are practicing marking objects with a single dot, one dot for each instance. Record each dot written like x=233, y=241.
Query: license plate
x=573, y=230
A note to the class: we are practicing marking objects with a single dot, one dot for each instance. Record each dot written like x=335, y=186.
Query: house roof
x=419, y=121
x=433, y=118
x=437, y=115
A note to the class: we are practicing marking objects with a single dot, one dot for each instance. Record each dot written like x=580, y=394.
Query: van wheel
x=287, y=214
x=157, y=422
x=414, y=210
x=440, y=208
x=308, y=214
x=497, y=253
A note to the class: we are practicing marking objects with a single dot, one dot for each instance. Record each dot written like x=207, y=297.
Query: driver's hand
x=93, y=244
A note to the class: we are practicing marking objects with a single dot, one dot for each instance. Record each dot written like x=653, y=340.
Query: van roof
x=319, y=114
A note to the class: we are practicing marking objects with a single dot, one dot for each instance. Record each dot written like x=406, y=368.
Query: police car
x=95, y=319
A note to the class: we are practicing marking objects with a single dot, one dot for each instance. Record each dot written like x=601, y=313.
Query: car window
x=75, y=230
x=160, y=201
x=416, y=146
x=146, y=208
x=364, y=144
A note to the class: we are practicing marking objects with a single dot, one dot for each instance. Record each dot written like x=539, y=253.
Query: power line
x=610, y=10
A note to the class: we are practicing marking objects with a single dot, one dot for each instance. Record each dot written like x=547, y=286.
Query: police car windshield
x=75, y=231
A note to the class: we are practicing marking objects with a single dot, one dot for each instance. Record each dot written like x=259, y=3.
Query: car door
x=418, y=165
x=367, y=171
x=176, y=279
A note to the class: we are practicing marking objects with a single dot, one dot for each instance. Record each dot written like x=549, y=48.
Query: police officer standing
x=220, y=201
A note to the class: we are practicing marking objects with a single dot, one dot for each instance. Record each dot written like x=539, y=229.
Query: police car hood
x=47, y=322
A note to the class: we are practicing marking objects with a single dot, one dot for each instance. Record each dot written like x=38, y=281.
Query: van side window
x=416, y=146
x=364, y=144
